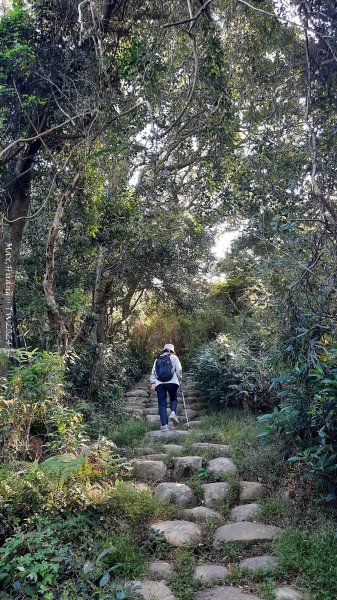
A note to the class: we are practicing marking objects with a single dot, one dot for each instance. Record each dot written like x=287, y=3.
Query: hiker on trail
x=165, y=378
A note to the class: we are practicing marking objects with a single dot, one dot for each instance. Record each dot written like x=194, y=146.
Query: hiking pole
x=183, y=397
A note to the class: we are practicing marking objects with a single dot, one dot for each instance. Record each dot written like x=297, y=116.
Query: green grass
x=137, y=507
x=182, y=584
x=278, y=510
x=311, y=560
x=130, y=433
x=124, y=556
x=240, y=429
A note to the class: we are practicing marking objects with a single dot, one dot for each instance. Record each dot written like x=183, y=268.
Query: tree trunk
x=56, y=316
x=17, y=206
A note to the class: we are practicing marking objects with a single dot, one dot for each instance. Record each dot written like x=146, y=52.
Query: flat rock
x=151, y=411
x=137, y=393
x=221, y=466
x=177, y=493
x=179, y=533
x=224, y=592
x=149, y=470
x=192, y=414
x=200, y=514
x=151, y=590
x=245, y=512
x=145, y=450
x=213, y=492
x=245, y=531
x=219, y=449
x=210, y=573
x=152, y=418
x=256, y=563
x=288, y=592
x=173, y=434
x=185, y=466
x=251, y=490
x=173, y=448
x=159, y=456
x=134, y=403
x=193, y=424
x=161, y=569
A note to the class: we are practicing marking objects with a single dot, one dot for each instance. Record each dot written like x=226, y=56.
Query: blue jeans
x=162, y=390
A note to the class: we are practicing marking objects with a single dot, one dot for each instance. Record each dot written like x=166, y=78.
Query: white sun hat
x=169, y=347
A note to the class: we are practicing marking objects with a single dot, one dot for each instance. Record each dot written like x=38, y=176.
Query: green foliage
x=228, y=376
x=306, y=419
x=312, y=559
x=32, y=405
x=67, y=557
x=62, y=482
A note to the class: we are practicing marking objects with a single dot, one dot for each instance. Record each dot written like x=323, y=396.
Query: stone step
x=215, y=492
x=137, y=394
x=195, y=424
x=224, y=592
x=201, y=514
x=221, y=466
x=267, y=562
x=154, y=418
x=185, y=466
x=148, y=589
x=177, y=493
x=251, y=491
x=173, y=448
x=161, y=569
x=288, y=592
x=136, y=412
x=173, y=434
x=136, y=402
x=153, y=456
x=149, y=470
x=210, y=573
x=245, y=512
x=178, y=532
x=189, y=405
x=245, y=531
x=220, y=449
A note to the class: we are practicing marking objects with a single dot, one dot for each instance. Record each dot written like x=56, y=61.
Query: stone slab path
x=190, y=529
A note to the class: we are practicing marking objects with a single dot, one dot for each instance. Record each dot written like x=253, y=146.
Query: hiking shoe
x=174, y=417
x=165, y=428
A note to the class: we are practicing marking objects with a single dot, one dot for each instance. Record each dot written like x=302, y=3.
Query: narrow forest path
x=212, y=522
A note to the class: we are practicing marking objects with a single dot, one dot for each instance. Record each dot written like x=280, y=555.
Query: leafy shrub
x=117, y=366
x=61, y=482
x=32, y=404
x=306, y=419
x=229, y=376
x=67, y=557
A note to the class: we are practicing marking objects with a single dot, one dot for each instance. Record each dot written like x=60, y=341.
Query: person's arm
x=178, y=368
x=153, y=375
